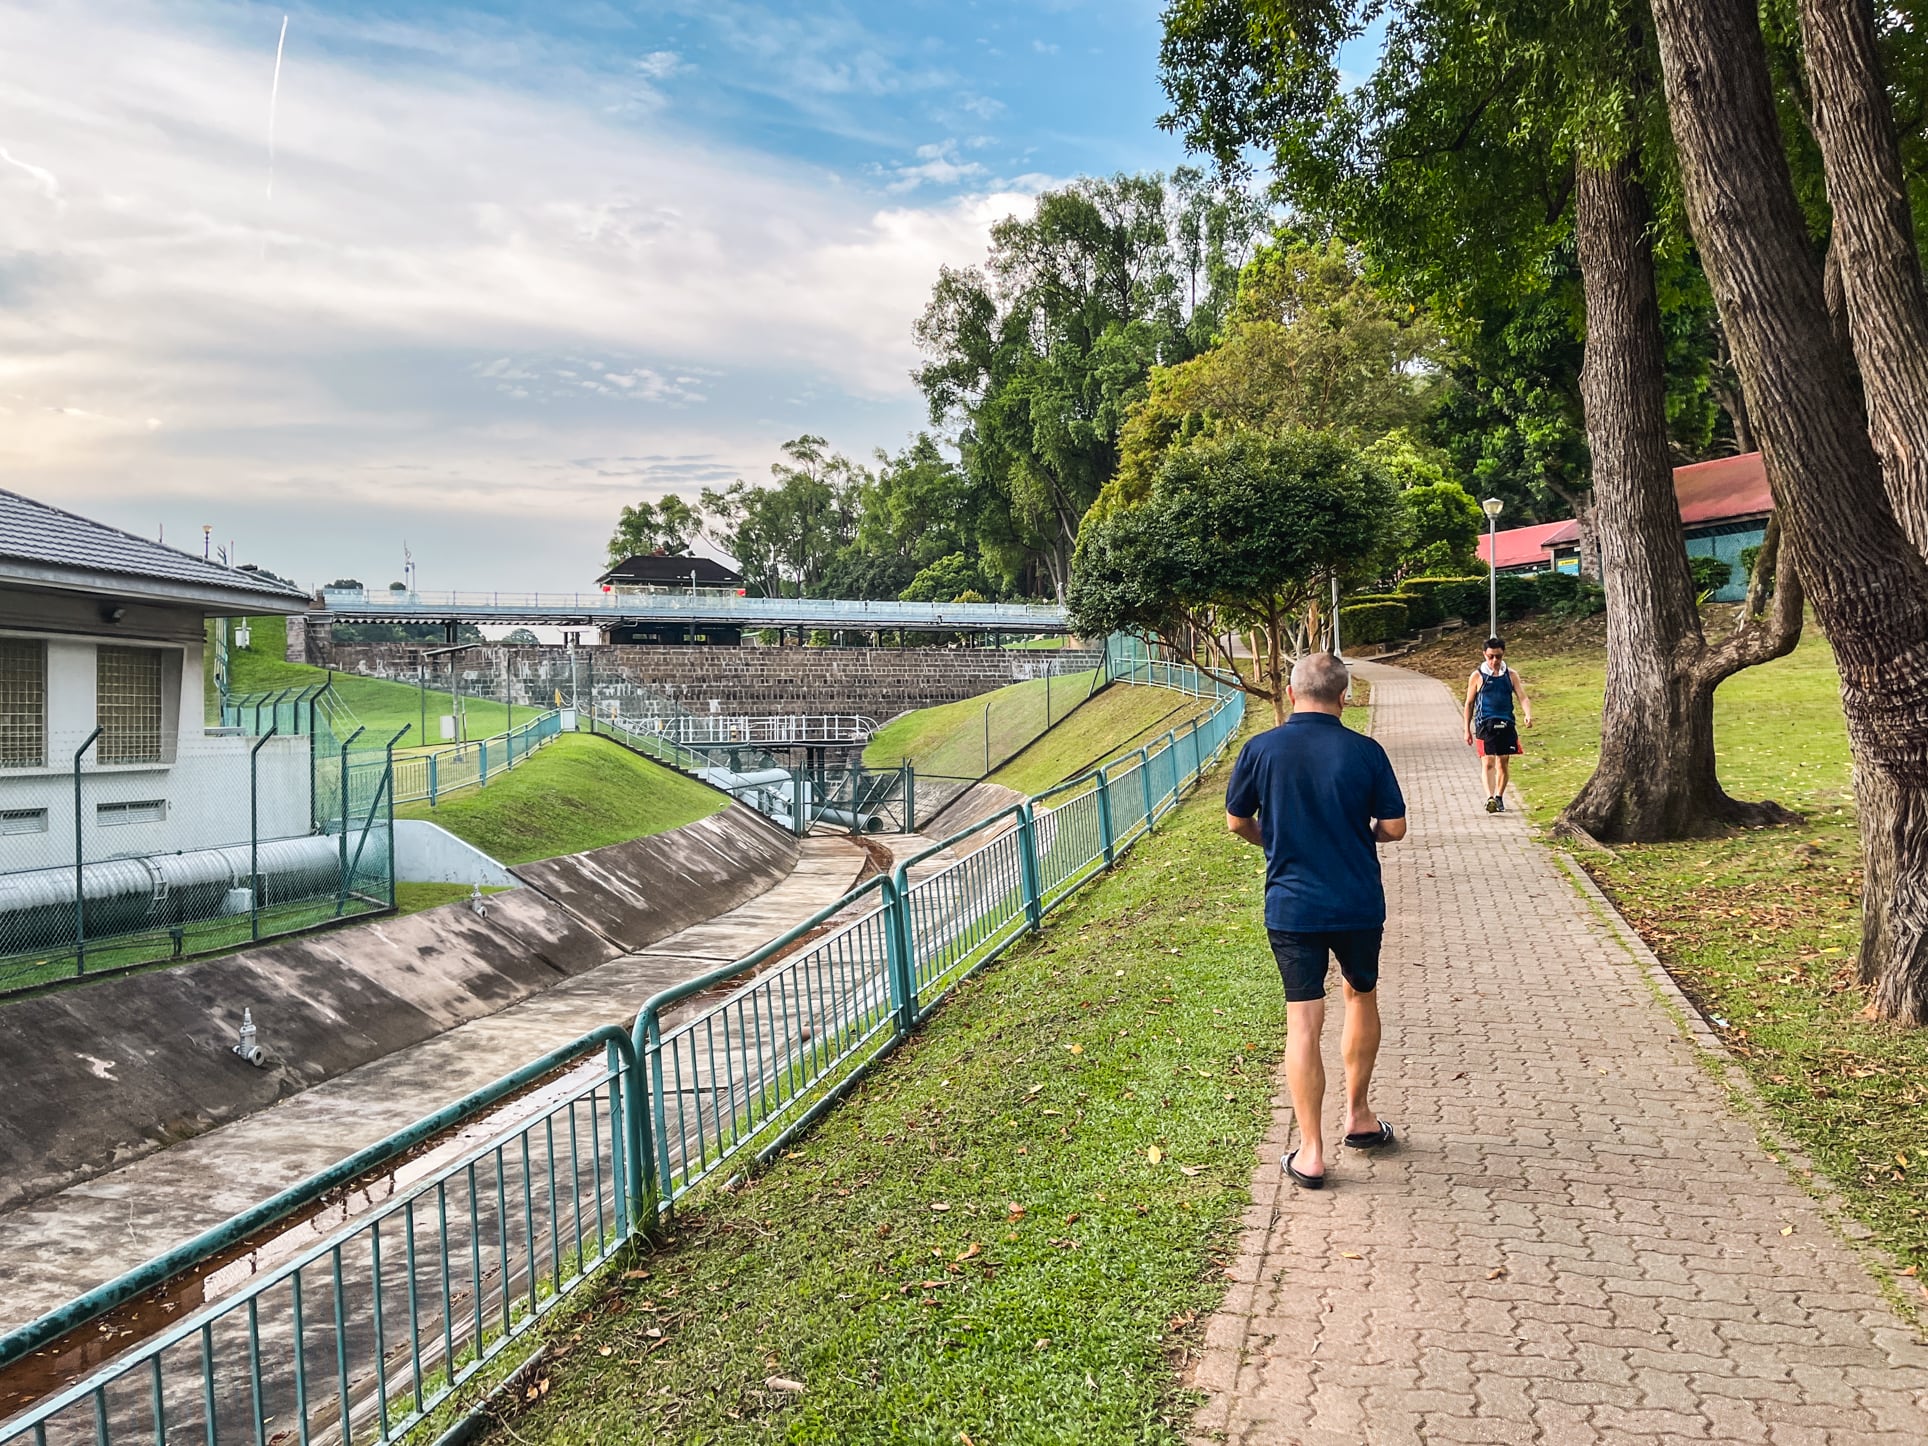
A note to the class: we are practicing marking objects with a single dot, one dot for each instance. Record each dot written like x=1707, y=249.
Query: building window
x=128, y=705
x=23, y=820
x=139, y=810
x=23, y=703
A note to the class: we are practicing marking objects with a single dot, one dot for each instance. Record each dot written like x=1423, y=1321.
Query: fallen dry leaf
x=1191, y=1169
x=783, y=1383
x=1787, y=1230
x=1077, y=1049
x=1352, y=1255
x=972, y=1252
x=1154, y=1154
x=1496, y=1273
x=939, y=1206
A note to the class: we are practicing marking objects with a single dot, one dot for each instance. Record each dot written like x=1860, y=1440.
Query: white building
x=101, y=637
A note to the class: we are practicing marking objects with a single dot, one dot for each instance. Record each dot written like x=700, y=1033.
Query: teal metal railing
x=360, y=1336
x=427, y=776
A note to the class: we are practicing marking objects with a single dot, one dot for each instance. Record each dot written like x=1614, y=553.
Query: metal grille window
x=23, y=820
x=23, y=703
x=136, y=810
x=128, y=705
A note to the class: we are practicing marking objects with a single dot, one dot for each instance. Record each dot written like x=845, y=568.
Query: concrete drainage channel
x=471, y=1224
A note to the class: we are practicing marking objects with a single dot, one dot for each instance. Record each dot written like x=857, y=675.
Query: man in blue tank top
x=1319, y=799
x=1490, y=724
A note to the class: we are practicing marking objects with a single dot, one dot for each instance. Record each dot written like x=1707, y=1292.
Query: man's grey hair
x=1320, y=678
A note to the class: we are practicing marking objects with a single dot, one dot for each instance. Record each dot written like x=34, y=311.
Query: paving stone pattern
x=1581, y=1240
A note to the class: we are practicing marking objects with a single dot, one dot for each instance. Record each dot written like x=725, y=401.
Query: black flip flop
x=1372, y=1139
x=1299, y=1177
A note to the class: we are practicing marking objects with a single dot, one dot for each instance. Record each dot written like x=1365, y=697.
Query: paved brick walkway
x=1582, y=1241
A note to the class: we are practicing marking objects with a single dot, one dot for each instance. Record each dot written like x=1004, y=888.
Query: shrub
x=1517, y=595
x=1377, y=620
x=1568, y=595
x=1711, y=574
x=1456, y=597
x=1750, y=556
x=1422, y=607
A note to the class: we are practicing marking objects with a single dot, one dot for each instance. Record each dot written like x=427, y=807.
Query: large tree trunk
x=1656, y=776
x=1873, y=244
x=1868, y=582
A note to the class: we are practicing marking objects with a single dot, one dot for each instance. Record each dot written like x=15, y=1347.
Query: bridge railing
x=358, y=1337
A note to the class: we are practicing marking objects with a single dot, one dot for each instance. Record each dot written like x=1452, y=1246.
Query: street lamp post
x=1492, y=507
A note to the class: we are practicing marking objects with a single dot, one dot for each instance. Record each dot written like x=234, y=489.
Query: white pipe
x=157, y=875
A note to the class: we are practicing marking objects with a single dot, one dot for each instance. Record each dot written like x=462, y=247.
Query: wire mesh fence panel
x=352, y=1327
x=202, y=842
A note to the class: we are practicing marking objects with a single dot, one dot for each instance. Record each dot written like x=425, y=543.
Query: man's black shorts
x=1303, y=960
x=1498, y=738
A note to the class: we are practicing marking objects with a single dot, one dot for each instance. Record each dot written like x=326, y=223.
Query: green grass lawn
x=1012, y=1231
x=1760, y=927
x=1117, y=720
x=579, y=792
x=950, y=740
x=378, y=705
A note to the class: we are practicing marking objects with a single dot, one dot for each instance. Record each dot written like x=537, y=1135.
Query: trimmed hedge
x=1378, y=620
x=1422, y=607
x=1454, y=597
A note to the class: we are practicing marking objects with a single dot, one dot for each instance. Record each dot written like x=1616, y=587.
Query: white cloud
x=45, y=181
x=660, y=65
x=169, y=331
x=938, y=165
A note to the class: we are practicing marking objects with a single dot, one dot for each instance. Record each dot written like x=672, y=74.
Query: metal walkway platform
x=629, y=605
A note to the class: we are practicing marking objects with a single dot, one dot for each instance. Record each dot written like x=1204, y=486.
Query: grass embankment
x=1010, y=1232
x=579, y=792
x=380, y=706
x=952, y=741
x=1117, y=720
x=1759, y=927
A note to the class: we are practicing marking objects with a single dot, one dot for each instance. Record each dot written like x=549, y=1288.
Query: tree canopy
x=1239, y=535
x=1309, y=344
x=1035, y=357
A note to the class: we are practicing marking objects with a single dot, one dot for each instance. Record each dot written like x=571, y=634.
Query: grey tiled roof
x=34, y=532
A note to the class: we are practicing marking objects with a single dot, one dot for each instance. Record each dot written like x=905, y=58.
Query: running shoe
x=1492, y=805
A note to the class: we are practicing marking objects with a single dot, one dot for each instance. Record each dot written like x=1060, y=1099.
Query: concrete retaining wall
x=751, y=681
x=427, y=853
x=100, y=1074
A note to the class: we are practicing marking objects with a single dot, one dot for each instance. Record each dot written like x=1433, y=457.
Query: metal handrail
x=808, y=1014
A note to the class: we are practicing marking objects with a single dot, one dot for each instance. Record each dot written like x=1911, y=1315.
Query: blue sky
x=516, y=264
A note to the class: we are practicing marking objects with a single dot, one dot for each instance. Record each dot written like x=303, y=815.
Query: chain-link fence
x=989, y=732
x=134, y=845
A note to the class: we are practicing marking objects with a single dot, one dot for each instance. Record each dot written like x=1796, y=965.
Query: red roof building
x=1723, y=508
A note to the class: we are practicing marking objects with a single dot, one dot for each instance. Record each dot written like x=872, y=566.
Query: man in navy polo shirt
x=1319, y=799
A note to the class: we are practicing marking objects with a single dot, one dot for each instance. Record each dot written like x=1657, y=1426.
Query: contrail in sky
x=274, y=94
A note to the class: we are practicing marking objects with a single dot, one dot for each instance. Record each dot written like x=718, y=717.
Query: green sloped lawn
x=579, y=792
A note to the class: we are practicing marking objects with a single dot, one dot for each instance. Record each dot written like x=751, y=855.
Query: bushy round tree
x=1239, y=538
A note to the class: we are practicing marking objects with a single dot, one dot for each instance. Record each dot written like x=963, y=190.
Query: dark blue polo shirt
x=1315, y=787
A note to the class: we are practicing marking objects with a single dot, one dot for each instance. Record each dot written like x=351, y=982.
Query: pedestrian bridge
x=621, y=606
